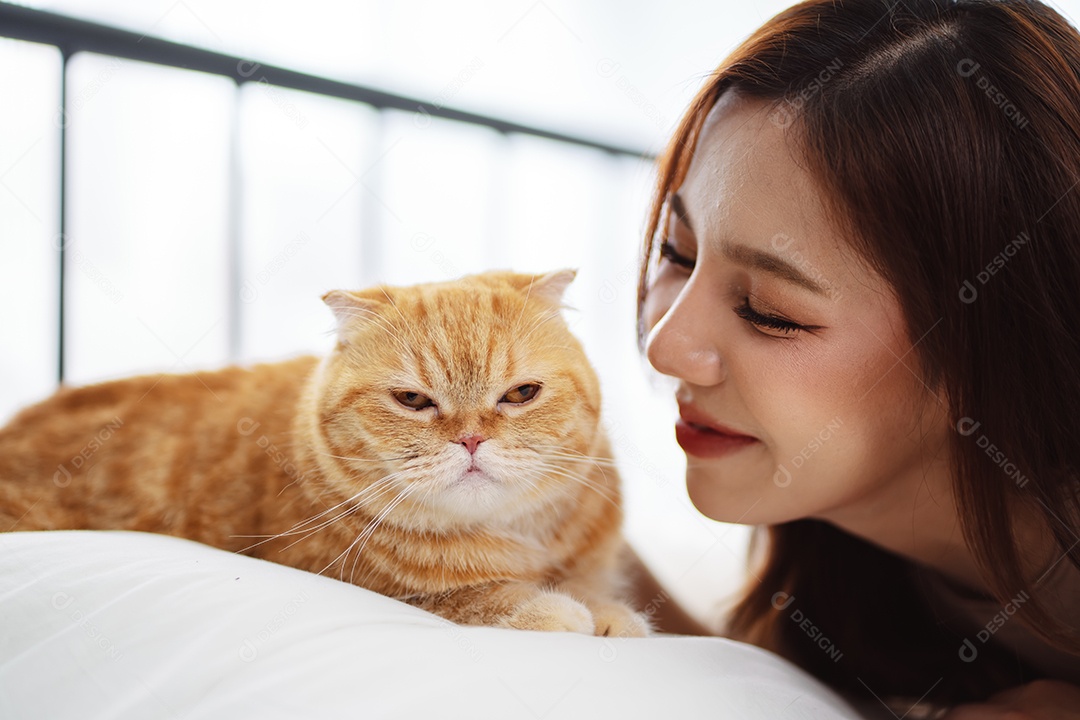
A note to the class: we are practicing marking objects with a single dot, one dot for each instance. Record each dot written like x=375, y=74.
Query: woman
x=862, y=269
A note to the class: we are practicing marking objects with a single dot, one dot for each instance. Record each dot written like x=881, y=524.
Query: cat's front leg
x=551, y=611
x=616, y=619
x=611, y=617
x=519, y=605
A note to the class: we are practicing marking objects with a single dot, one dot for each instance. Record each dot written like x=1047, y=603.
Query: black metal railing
x=71, y=36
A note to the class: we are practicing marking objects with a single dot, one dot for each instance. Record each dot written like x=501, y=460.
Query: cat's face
x=469, y=399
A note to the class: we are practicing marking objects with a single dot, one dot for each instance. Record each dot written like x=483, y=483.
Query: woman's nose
x=680, y=343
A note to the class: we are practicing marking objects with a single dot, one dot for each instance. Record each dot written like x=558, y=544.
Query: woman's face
x=775, y=329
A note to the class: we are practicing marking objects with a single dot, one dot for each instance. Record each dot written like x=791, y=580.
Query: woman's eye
x=521, y=394
x=779, y=326
x=413, y=400
x=671, y=254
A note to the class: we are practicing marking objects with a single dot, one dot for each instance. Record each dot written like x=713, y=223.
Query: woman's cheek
x=789, y=401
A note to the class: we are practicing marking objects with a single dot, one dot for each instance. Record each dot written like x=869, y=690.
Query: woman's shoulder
x=979, y=619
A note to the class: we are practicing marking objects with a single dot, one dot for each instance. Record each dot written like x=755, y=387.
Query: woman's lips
x=704, y=438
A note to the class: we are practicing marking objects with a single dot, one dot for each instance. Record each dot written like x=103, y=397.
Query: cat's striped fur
x=326, y=466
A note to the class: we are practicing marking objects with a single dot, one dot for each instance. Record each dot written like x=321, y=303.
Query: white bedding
x=131, y=625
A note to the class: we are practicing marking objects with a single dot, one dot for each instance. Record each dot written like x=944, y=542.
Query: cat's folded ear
x=550, y=286
x=350, y=309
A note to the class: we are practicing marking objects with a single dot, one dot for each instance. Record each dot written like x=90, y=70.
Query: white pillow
x=133, y=625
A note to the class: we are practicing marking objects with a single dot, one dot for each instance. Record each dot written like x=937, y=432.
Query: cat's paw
x=618, y=620
x=551, y=611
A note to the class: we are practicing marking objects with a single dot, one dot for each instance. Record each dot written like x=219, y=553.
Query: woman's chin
x=718, y=501
x=754, y=500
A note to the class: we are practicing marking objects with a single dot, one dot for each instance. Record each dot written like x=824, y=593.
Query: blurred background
x=205, y=218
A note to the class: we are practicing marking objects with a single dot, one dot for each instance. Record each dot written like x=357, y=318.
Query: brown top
x=984, y=620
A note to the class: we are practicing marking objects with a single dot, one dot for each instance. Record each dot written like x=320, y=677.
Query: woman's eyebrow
x=753, y=258
x=680, y=211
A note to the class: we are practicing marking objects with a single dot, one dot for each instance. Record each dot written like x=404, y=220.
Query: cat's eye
x=521, y=394
x=413, y=400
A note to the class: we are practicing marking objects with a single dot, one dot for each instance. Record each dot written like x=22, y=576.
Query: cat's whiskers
x=529, y=483
x=321, y=526
x=344, y=553
x=564, y=453
x=544, y=499
x=383, y=490
x=408, y=521
x=377, y=485
x=552, y=469
x=379, y=488
x=372, y=526
x=571, y=454
x=599, y=463
x=360, y=459
x=383, y=486
x=427, y=489
x=347, y=458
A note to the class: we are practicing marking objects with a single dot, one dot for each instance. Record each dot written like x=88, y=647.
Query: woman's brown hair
x=946, y=137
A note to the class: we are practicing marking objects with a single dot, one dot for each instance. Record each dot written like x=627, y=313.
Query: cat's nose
x=471, y=442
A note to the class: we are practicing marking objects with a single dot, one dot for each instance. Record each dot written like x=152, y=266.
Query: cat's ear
x=350, y=309
x=552, y=286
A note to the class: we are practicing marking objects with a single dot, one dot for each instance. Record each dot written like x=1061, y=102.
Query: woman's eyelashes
x=672, y=255
x=777, y=326
x=787, y=328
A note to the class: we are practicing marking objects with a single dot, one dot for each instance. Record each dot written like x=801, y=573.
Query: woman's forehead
x=741, y=156
x=746, y=184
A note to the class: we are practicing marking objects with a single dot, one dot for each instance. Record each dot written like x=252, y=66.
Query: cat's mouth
x=475, y=474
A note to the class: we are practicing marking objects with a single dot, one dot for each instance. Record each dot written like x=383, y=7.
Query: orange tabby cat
x=448, y=452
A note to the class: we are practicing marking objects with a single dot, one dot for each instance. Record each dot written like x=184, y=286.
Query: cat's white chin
x=467, y=489
x=468, y=495
x=474, y=497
